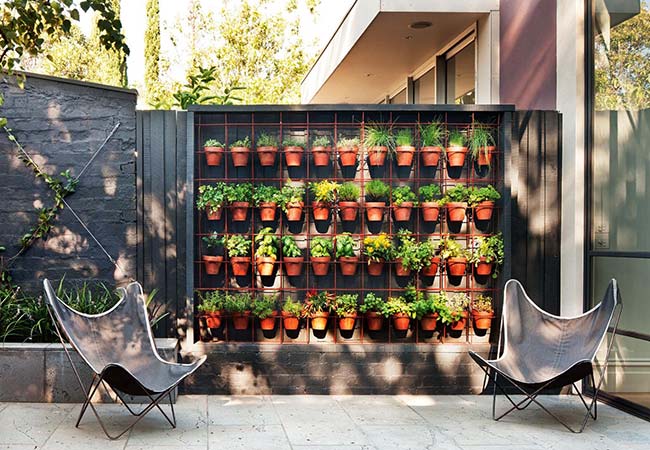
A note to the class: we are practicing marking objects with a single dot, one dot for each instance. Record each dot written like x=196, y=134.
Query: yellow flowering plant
x=378, y=248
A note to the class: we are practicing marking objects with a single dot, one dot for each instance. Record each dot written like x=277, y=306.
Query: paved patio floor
x=323, y=422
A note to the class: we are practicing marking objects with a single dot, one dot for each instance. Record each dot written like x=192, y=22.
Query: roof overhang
x=374, y=47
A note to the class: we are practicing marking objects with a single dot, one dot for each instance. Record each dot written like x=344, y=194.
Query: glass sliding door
x=461, y=74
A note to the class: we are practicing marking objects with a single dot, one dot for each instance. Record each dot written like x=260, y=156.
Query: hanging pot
x=213, y=155
x=348, y=265
x=432, y=269
x=375, y=211
x=429, y=321
x=293, y=266
x=401, y=321
x=294, y=211
x=266, y=154
x=213, y=319
x=293, y=155
x=240, y=265
x=348, y=211
x=482, y=320
x=456, y=211
x=375, y=268
x=483, y=268
x=214, y=213
x=483, y=211
x=319, y=321
x=485, y=155
x=320, y=210
x=346, y=323
x=456, y=156
x=405, y=155
x=239, y=211
x=289, y=321
x=459, y=324
x=377, y=155
x=240, y=320
x=348, y=156
x=430, y=156
x=320, y=265
x=267, y=211
x=375, y=321
x=456, y=266
x=321, y=155
x=265, y=265
x=430, y=211
x=402, y=212
x=400, y=270
x=268, y=323
x=240, y=156
x=212, y=264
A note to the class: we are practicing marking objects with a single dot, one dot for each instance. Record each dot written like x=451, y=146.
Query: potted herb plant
x=240, y=151
x=376, y=194
x=374, y=309
x=482, y=312
x=321, y=255
x=213, y=150
x=239, y=251
x=323, y=196
x=482, y=200
x=293, y=151
x=487, y=255
x=457, y=304
x=456, y=149
x=291, y=201
x=266, y=253
x=267, y=149
x=317, y=307
x=239, y=197
x=239, y=307
x=345, y=307
x=428, y=253
x=345, y=253
x=429, y=197
x=403, y=201
x=377, y=141
x=407, y=255
x=266, y=198
x=348, y=201
x=431, y=139
x=404, y=149
x=291, y=311
x=378, y=249
x=481, y=144
x=400, y=311
x=291, y=256
x=347, y=148
x=211, y=307
x=264, y=308
x=212, y=261
x=455, y=257
x=211, y=199
x=455, y=200
x=321, y=150
x=426, y=311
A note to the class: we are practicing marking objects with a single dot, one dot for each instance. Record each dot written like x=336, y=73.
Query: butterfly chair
x=542, y=351
x=119, y=348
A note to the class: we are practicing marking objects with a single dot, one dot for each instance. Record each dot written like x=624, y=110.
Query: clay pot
x=375, y=268
x=482, y=320
x=348, y=155
x=403, y=211
x=405, y=155
x=346, y=323
x=483, y=158
x=483, y=211
x=289, y=321
x=430, y=211
x=212, y=264
x=213, y=319
x=214, y=213
x=239, y=211
x=267, y=211
x=377, y=155
x=240, y=265
x=400, y=270
x=293, y=266
x=320, y=265
x=456, y=211
x=457, y=266
x=268, y=323
x=321, y=155
x=401, y=321
x=375, y=321
x=348, y=211
x=265, y=265
x=266, y=154
x=459, y=325
x=348, y=265
x=294, y=211
x=319, y=321
x=432, y=269
x=240, y=320
x=213, y=155
x=320, y=210
x=428, y=321
x=456, y=156
x=375, y=211
x=293, y=155
x=483, y=268
x=240, y=156
x=430, y=156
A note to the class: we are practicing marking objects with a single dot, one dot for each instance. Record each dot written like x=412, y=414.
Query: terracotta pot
x=459, y=325
x=214, y=214
x=483, y=268
x=430, y=211
x=321, y=155
x=268, y=323
x=401, y=321
x=240, y=156
x=240, y=265
x=483, y=158
x=348, y=211
x=319, y=321
x=289, y=321
x=212, y=264
x=432, y=269
x=320, y=265
x=400, y=270
x=483, y=211
x=428, y=322
x=320, y=210
x=213, y=319
x=348, y=155
x=405, y=155
x=375, y=211
x=265, y=265
x=375, y=268
x=456, y=156
x=293, y=155
x=457, y=266
x=348, y=265
x=213, y=155
x=267, y=211
x=482, y=320
x=403, y=212
x=456, y=211
x=266, y=154
x=294, y=211
x=375, y=321
x=240, y=320
x=239, y=211
x=293, y=266
x=430, y=156
x=346, y=323
x=377, y=155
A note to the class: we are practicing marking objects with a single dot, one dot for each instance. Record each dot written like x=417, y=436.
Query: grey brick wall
x=61, y=123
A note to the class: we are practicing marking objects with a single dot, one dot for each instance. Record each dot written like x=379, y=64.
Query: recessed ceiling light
x=420, y=25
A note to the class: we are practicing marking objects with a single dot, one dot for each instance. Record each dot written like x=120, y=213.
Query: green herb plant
x=212, y=143
x=264, y=306
x=321, y=247
x=403, y=194
x=245, y=142
x=291, y=194
x=266, y=140
x=458, y=193
x=239, y=192
x=211, y=197
x=238, y=245
x=429, y=193
x=377, y=191
x=480, y=139
x=266, y=243
x=432, y=134
x=346, y=304
x=373, y=303
x=266, y=194
x=482, y=194
x=324, y=191
x=349, y=192
x=345, y=245
x=489, y=248
x=289, y=247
